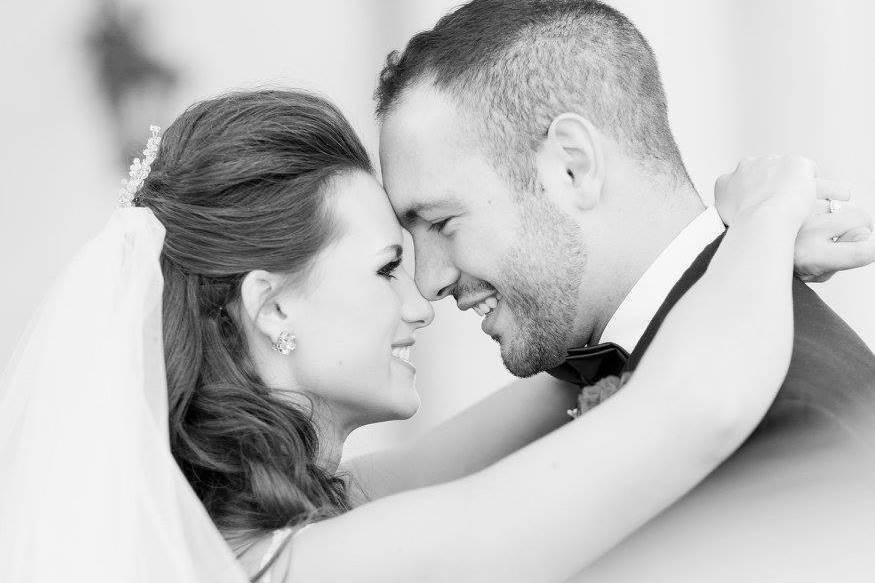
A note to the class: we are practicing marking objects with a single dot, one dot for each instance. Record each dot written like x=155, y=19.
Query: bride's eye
x=388, y=270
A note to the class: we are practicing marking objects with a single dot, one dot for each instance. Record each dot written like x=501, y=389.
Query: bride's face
x=355, y=318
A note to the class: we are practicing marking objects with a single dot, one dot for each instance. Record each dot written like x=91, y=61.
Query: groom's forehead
x=425, y=129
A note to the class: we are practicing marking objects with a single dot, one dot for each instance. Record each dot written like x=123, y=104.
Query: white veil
x=88, y=488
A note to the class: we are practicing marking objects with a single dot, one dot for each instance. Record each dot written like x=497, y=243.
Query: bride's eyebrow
x=394, y=249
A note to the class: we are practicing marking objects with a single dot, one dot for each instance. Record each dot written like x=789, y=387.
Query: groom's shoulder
x=830, y=383
x=831, y=366
x=831, y=378
x=821, y=335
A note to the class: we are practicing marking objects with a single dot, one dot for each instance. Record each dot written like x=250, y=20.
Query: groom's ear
x=570, y=162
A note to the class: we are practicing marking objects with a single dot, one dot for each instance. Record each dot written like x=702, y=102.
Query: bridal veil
x=89, y=490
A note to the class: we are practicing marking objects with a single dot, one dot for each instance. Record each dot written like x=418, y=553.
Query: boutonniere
x=592, y=395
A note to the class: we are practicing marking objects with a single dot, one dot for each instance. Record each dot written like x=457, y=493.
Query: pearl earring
x=285, y=343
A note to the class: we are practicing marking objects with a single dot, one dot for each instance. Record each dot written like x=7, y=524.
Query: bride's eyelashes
x=388, y=270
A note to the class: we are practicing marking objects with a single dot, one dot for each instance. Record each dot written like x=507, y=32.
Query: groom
x=526, y=147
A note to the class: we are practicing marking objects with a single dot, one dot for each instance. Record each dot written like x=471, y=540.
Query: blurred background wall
x=83, y=79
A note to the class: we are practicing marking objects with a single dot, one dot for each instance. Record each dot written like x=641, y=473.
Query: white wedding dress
x=89, y=490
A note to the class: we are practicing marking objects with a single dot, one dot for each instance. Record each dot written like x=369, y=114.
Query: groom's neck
x=635, y=235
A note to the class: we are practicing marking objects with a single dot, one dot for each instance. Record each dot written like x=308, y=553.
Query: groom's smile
x=498, y=319
x=487, y=306
x=490, y=318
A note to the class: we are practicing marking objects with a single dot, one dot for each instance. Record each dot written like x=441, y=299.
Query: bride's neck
x=332, y=432
x=331, y=440
x=331, y=427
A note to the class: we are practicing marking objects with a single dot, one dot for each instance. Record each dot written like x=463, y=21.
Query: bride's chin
x=397, y=407
x=411, y=409
x=406, y=407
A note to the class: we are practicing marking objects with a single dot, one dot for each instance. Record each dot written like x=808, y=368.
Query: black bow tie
x=588, y=364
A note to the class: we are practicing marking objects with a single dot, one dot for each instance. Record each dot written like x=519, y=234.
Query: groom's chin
x=524, y=357
x=522, y=361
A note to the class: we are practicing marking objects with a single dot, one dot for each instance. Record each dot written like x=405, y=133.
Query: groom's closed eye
x=420, y=211
x=438, y=226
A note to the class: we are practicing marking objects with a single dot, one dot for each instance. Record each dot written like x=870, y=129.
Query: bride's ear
x=260, y=295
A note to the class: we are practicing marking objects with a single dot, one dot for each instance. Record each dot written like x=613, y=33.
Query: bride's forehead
x=362, y=208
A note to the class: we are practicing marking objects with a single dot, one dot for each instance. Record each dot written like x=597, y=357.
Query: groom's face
x=511, y=256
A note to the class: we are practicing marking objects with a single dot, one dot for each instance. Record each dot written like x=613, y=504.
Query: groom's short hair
x=516, y=64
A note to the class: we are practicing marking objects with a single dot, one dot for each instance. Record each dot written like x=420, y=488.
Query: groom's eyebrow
x=417, y=209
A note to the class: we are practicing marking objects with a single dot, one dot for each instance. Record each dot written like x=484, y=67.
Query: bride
x=250, y=310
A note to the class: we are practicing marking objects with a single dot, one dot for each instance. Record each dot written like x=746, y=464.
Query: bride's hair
x=241, y=183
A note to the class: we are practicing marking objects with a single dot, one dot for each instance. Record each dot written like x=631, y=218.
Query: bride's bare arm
x=497, y=426
x=528, y=409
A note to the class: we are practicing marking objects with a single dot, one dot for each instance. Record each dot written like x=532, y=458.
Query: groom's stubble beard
x=542, y=276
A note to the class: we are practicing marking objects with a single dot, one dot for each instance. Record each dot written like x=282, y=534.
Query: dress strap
x=278, y=541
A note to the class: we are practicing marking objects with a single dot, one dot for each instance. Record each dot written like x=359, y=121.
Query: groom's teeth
x=486, y=306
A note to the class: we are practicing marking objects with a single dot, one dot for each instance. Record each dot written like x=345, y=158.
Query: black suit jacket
x=783, y=502
x=830, y=386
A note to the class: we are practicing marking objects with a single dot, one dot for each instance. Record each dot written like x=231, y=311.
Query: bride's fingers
x=831, y=242
x=838, y=223
x=855, y=235
x=850, y=255
x=832, y=190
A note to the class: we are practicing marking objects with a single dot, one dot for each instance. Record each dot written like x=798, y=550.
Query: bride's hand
x=830, y=242
x=833, y=237
x=786, y=184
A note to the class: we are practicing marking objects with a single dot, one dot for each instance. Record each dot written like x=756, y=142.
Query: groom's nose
x=435, y=275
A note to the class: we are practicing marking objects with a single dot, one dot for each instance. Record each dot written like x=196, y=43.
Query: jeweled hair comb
x=140, y=170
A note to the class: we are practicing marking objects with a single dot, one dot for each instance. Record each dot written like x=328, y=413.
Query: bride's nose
x=415, y=310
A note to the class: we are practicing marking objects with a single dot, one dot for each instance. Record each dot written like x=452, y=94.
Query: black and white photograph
x=437, y=291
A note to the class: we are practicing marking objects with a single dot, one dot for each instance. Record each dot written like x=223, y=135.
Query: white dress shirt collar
x=640, y=305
